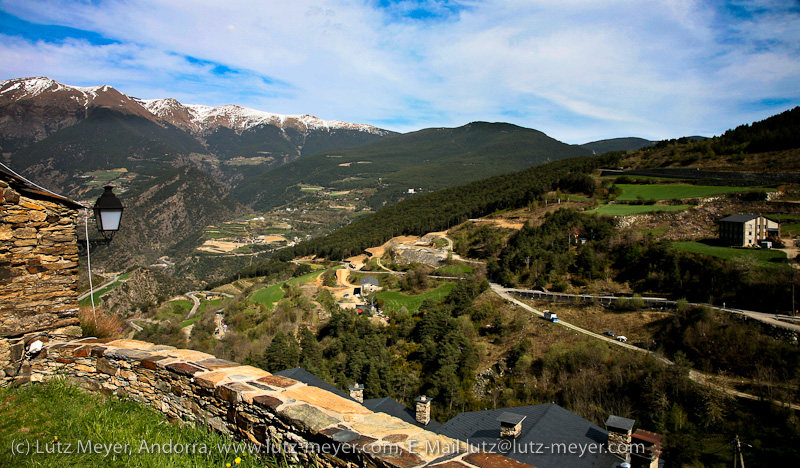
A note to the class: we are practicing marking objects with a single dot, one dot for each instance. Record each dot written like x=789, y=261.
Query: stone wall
x=38, y=262
x=311, y=424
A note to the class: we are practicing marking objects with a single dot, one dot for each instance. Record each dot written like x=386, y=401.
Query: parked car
x=609, y=333
x=551, y=316
x=622, y=339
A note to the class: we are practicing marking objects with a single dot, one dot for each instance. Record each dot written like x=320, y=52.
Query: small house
x=369, y=285
x=747, y=230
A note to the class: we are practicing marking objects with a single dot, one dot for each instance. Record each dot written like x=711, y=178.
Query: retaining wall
x=253, y=404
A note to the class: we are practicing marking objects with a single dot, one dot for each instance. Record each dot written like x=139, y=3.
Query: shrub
x=99, y=323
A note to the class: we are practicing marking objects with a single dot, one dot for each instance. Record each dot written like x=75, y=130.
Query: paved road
x=505, y=294
x=137, y=327
x=192, y=295
x=98, y=288
x=696, y=376
x=779, y=320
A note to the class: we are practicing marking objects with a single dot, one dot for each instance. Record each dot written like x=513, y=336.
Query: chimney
x=619, y=435
x=423, y=410
x=357, y=392
x=646, y=449
x=510, y=425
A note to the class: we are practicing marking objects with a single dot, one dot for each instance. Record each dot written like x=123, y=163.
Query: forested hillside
x=770, y=145
x=429, y=159
x=446, y=208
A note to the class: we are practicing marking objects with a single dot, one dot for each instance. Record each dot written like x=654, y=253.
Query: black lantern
x=108, y=213
x=107, y=216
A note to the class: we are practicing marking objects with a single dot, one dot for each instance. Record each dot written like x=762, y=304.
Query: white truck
x=551, y=316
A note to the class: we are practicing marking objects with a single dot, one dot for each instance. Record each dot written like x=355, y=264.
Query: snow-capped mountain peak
x=201, y=118
x=50, y=106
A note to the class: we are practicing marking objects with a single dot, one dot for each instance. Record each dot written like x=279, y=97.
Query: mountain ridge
x=25, y=103
x=425, y=160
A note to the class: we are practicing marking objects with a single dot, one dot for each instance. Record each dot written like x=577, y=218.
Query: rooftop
x=544, y=429
x=738, y=218
x=618, y=422
x=34, y=191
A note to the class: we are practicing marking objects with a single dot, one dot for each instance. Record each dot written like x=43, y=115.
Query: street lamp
x=107, y=214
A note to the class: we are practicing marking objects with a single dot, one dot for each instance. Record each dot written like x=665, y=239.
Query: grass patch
x=394, y=300
x=767, y=258
x=454, y=270
x=172, y=309
x=571, y=197
x=440, y=243
x=56, y=412
x=184, y=304
x=305, y=279
x=98, y=293
x=269, y=295
x=192, y=320
x=790, y=224
x=673, y=191
x=625, y=210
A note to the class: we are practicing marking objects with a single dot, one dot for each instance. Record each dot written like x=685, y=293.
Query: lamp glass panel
x=109, y=220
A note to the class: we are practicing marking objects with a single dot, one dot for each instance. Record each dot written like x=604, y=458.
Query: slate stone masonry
x=38, y=263
x=313, y=425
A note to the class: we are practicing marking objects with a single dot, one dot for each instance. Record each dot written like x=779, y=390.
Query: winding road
x=694, y=375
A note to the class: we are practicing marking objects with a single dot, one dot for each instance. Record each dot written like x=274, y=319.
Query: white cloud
x=570, y=68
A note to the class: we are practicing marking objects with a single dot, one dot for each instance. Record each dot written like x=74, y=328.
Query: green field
x=393, y=300
x=767, y=258
x=100, y=292
x=790, y=224
x=305, y=279
x=269, y=295
x=625, y=210
x=192, y=320
x=454, y=270
x=673, y=191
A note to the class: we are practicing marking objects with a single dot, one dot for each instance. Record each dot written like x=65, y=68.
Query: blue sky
x=578, y=70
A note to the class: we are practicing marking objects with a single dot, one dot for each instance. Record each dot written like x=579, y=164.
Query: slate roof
x=370, y=280
x=738, y=218
x=31, y=190
x=618, y=422
x=302, y=375
x=544, y=427
x=398, y=410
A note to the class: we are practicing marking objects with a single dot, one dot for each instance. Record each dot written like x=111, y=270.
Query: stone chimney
x=423, y=409
x=619, y=435
x=357, y=392
x=510, y=425
x=646, y=449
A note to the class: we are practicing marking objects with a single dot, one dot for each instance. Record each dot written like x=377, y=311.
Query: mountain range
x=65, y=137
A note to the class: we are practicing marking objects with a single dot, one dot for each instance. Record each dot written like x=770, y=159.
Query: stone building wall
x=308, y=423
x=38, y=262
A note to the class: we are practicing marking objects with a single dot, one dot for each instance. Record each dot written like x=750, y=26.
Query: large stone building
x=747, y=230
x=38, y=264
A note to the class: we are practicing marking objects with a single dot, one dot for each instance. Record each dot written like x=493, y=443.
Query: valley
x=422, y=263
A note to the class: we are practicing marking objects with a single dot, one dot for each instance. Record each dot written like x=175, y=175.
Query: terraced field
x=674, y=191
x=393, y=300
x=766, y=258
